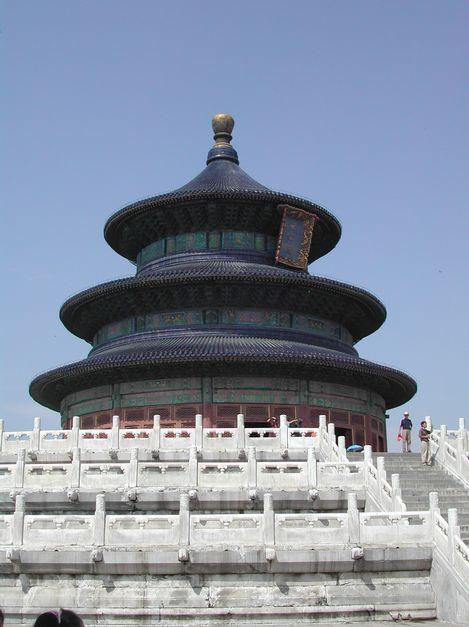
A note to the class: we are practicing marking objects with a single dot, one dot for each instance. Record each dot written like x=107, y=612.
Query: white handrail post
x=184, y=521
x=434, y=509
x=322, y=430
x=132, y=477
x=396, y=491
x=252, y=467
x=331, y=440
x=240, y=431
x=100, y=521
x=367, y=461
x=353, y=518
x=442, y=450
x=36, y=435
x=75, y=470
x=75, y=433
x=193, y=467
x=283, y=431
x=367, y=451
x=312, y=469
x=462, y=430
x=342, y=451
x=453, y=531
x=2, y=427
x=461, y=450
x=155, y=433
x=198, y=431
x=269, y=520
x=381, y=469
x=19, y=468
x=18, y=520
x=381, y=472
x=115, y=432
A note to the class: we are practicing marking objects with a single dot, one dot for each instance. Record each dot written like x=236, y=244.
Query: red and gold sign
x=294, y=240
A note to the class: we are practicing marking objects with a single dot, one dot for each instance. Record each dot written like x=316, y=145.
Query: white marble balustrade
x=450, y=449
x=252, y=529
x=186, y=468
x=158, y=437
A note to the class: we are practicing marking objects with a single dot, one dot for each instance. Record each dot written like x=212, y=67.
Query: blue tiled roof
x=373, y=312
x=222, y=176
x=224, y=352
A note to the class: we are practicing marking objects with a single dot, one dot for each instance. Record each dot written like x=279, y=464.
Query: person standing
x=424, y=435
x=405, y=431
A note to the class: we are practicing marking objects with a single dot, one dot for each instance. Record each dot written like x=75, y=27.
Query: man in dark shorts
x=405, y=431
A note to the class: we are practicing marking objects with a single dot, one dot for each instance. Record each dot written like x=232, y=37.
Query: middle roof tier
x=223, y=283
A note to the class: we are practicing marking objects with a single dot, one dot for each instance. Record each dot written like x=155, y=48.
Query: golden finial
x=222, y=124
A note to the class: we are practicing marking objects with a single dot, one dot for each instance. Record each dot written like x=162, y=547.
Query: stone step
x=423, y=483
x=460, y=498
x=443, y=500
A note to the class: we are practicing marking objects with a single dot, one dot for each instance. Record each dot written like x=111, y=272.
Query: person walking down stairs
x=424, y=435
x=405, y=429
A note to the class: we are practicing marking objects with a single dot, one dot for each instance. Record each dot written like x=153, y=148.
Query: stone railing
x=289, y=469
x=185, y=529
x=259, y=530
x=385, y=496
x=264, y=532
x=159, y=437
x=448, y=543
x=450, y=449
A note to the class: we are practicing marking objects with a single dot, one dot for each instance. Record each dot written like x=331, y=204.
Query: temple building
x=222, y=317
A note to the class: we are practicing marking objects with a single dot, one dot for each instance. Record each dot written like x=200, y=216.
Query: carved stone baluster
x=312, y=469
x=453, y=531
x=252, y=467
x=198, y=431
x=19, y=469
x=193, y=479
x=36, y=435
x=18, y=520
x=100, y=521
x=442, y=448
x=353, y=518
x=342, y=451
x=240, y=432
x=76, y=468
x=155, y=434
x=381, y=479
x=132, y=477
x=396, y=491
x=269, y=522
x=115, y=432
x=75, y=433
x=434, y=510
x=184, y=528
x=283, y=431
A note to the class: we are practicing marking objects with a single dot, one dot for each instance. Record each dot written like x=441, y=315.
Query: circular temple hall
x=222, y=317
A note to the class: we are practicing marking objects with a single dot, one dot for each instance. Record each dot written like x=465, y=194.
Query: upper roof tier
x=201, y=204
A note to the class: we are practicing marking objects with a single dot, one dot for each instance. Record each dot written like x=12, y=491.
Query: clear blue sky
x=361, y=106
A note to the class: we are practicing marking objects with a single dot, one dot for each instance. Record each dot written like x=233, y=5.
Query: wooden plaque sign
x=294, y=240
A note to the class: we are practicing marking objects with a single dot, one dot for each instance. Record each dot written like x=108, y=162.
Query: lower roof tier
x=221, y=354
x=223, y=284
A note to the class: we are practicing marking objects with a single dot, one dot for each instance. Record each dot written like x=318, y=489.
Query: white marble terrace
x=182, y=466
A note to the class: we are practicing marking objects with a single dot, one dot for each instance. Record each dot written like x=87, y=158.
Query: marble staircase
x=418, y=480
